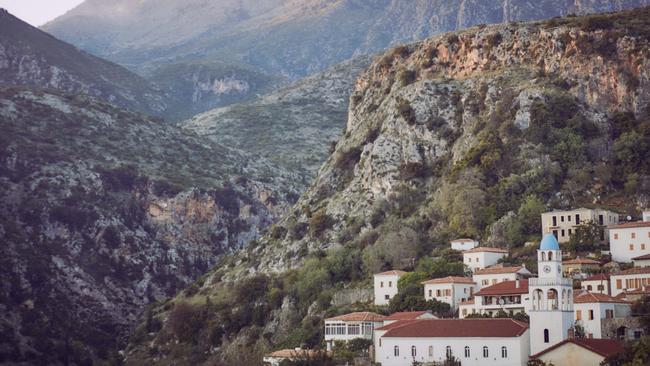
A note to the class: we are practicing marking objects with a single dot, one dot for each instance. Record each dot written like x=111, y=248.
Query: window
x=546, y=337
x=414, y=351
x=390, y=283
x=590, y=335
x=430, y=351
x=485, y=282
x=562, y=233
x=616, y=236
x=367, y=328
x=465, y=290
x=633, y=235
x=631, y=246
x=486, y=353
x=430, y=293
x=570, y=232
x=569, y=218
x=619, y=284
x=437, y=293
x=591, y=315
x=464, y=312
x=504, y=352
x=381, y=284
x=601, y=288
x=448, y=351
x=642, y=246
x=562, y=219
x=467, y=352
x=589, y=288
x=609, y=313
x=396, y=351
x=354, y=329
x=578, y=314
x=577, y=218
x=387, y=297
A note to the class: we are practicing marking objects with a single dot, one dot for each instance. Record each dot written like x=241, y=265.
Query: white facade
x=629, y=280
x=642, y=261
x=492, y=276
x=452, y=290
x=482, y=257
x=511, y=297
x=646, y=215
x=596, y=285
x=551, y=313
x=590, y=315
x=385, y=286
x=463, y=244
x=563, y=224
x=629, y=240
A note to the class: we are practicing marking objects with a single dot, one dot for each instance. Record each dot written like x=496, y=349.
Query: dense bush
x=319, y=222
x=185, y=322
x=407, y=77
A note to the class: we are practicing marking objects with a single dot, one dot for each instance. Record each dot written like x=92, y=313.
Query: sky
x=38, y=12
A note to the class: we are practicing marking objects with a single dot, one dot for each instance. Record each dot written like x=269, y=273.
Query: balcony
x=550, y=282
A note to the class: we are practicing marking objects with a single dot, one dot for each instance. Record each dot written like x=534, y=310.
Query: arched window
x=543, y=256
x=396, y=351
x=486, y=353
x=448, y=352
x=414, y=351
x=466, y=351
x=589, y=288
x=546, y=336
x=430, y=351
x=550, y=256
x=552, y=298
x=504, y=352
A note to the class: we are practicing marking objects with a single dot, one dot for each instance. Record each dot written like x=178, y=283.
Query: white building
x=464, y=244
x=591, y=308
x=385, y=286
x=551, y=295
x=451, y=290
x=629, y=240
x=350, y=326
x=629, y=280
x=510, y=296
x=646, y=215
x=579, y=352
x=563, y=224
x=472, y=341
x=482, y=257
x=598, y=284
x=495, y=274
x=641, y=261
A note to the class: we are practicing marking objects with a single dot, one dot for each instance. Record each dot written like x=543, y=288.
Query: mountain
x=31, y=57
x=471, y=133
x=292, y=38
x=293, y=127
x=104, y=211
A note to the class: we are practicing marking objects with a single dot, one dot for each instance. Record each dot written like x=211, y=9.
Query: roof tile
x=450, y=279
x=486, y=249
x=603, y=347
x=359, y=316
x=453, y=328
x=504, y=288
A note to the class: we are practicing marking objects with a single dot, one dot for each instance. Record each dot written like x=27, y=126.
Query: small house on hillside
x=385, y=286
x=482, y=257
x=464, y=244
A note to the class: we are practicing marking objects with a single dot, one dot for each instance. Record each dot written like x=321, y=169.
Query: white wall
x=566, y=220
x=572, y=355
x=347, y=336
x=517, y=350
x=594, y=286
x=642, y=263
x=458, y=292
x=493, y=279
x=618, y=287
x=592, y=326
x=385, y=288
x=463, y=245
x=480, y=260
x=646, y=215
x=621, y=239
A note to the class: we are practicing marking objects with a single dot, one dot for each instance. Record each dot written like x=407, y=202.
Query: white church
x=489, y=341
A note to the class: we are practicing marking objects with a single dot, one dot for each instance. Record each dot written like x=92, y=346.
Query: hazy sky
x=38, y=12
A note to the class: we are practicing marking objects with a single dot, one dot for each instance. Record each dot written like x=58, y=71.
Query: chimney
x=517, y=283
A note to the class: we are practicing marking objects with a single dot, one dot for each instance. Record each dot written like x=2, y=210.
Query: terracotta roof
x=642, y=257
x=406, y=315
x=637, y=291
x=504, y=288
x=467, y=302
x=630, y=225
x=598, y=277
x=486, y=249
x=581, y=261
x=360, y=316
x=592, y=297
x=293, y=353
x=399, y=324
x=632, y=271
x=498, y=270
x=450, y=279
x=603, y=347
x=391, y=273
x=453, y=328
x=463, y=241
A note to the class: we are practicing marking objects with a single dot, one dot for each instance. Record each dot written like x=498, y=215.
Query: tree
x=641, y=309
x=585, y=237
x=394, y=249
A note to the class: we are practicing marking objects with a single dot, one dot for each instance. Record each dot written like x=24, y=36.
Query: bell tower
x=551, y=295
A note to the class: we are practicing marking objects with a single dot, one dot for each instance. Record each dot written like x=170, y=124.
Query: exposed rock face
x=30, y=57
x=294, y=126
x=104, y=212
x=307, y=35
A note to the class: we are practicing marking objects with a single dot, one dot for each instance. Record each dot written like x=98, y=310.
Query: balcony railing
x=550, y=282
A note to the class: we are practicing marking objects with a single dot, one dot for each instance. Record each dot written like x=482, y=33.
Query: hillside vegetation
x=472, y=133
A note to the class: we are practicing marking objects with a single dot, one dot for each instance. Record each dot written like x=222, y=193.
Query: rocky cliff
x=472, y=133
x=103, y=212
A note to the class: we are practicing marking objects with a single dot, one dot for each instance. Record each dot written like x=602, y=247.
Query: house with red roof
x=629, y=240
x=509, y=296
x=499, y=273
x=350, y=326
x=597, y=283
x=580, y=267
x=472, y=341
x=408, y=315
x=591, y=310
x=452, y=290
x=385, y=286
x=463, y=244
x=630, y=279
x=579, y=352
x=483, y=257
x=641, y=261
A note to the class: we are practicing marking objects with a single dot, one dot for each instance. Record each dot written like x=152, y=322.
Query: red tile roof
x=592, y=297
x=637, y=291
x=467, y=302
x=633, y=271
x=598, y=277
x=406, y=315
x=603, y=347
x=498, y=270
x=486, y=249
x=454, y=328
x=581, y=261
x=642, y=257
x=356, y=317
x=630, y=225
x=450, y=279
x=391, y=273
x=504, y=288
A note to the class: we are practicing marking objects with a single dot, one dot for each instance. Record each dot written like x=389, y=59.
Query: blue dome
x=549, y=242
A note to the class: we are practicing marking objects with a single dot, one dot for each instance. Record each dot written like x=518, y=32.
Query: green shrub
x=185, y=322
x=319, y=222
x=596, y=22
x=348, y=159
